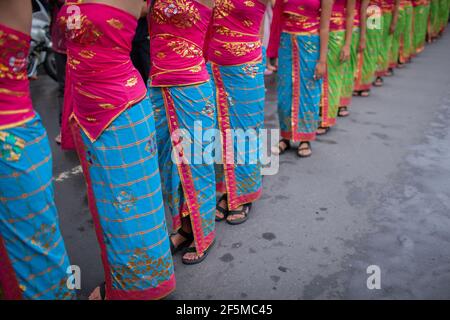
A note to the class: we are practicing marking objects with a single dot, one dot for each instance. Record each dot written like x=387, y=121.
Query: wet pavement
x=375, y=192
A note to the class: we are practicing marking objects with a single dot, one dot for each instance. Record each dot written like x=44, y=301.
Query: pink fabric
x=177, y=38
x=293, y=16
x=101, y=81
x=387, y=5
x=15, y=100
x=357, y=20
x=338, y=15
x=235, y=38
x=57, y=32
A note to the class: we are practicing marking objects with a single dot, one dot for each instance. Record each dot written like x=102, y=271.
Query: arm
x=394, y=16
x=349, y=17
x=275, y=30
x=325, y=16
x=363, y=25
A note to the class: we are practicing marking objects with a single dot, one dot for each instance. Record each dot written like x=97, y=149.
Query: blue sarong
x=125, y=199
x=240, y=96
x=183, y=114
x=33, y=258
x=298, y=93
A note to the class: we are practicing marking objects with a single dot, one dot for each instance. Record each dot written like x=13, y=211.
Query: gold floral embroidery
x=131, y=82
x=251, y=70
x=141, y=271
x=87, y=34
x=87, y=54
x=247, y=23
x=185, y=49
x=115, y=23
x=195, y=69
x=223, y=8
x=181, y=13
x=106, y=106
x=13, y=54
x=222, y=30
x=249, y=3
x=240, y=49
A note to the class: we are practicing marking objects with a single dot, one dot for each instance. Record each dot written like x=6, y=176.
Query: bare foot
x=96, y=294
x=192, y=256
x=224, y=205
x=304, y=150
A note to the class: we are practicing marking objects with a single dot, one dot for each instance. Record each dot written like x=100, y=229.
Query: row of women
x=206, y=65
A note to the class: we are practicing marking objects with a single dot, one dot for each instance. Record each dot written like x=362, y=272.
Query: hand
x=393, y=27
x=321, y=69
x=345, y=53
x=362, y=45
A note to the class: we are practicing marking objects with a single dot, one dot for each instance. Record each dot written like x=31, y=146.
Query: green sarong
x=332, y=84
x=349, y=71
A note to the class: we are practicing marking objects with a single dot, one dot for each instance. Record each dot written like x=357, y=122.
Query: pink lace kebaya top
x=15, y=101
x=177, y=36
x=337, y=22
x=234, y=37
x=101, y=80
x=294, y=17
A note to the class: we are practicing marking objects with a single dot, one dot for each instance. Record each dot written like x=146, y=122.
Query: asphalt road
x=375, y=192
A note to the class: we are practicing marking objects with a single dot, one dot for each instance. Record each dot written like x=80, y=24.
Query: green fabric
x=421, y=14
x=330, y=105
x=406, y=40
x=368, y=62
x=385, y=44
x=434, y=17
x=399, y=31
x=349, y=70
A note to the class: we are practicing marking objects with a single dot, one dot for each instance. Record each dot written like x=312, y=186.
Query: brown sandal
x=304, y=149
x=287, y=143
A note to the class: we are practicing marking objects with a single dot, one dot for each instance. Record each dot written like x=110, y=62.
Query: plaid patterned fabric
x=299, y=120
x=242, y=108
x=188, y=182
x=33, y=258
x=125, y=198
x=334, y=80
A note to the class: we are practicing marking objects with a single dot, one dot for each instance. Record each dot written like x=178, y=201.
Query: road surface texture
x=375, y=192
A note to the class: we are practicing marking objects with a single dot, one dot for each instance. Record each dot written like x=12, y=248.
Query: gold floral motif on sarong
x=223, y=8
x=181, y=13
x=44, y=236
x=251, y=70
x=141, y=271
x=240, y=49
x=185, y=49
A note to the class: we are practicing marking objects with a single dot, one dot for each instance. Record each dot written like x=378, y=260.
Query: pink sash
x=15, y=101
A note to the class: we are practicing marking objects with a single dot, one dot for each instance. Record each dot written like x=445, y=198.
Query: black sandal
x=288, y=146
x=188, y=236
x=343, y=109
x=103, y=290
x=194, y=250
x=322, y=133
x=245, y=211
x=220, y=209
x=304, y=149
x=379, y=82
x=365, y=93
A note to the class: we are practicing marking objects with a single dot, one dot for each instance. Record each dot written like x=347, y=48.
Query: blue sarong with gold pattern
x=183, y=114
x=240, y=96
x=125, y=199
x=33, y=259
x=299, y=94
